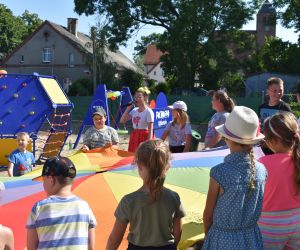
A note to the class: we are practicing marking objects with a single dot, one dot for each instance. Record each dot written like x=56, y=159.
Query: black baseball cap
x=57, y=166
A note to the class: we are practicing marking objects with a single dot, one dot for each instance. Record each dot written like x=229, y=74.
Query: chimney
x=72, y=25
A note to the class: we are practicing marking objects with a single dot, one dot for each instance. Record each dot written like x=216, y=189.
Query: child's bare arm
x=187, y=146
x=8, y=237
x=212, y=141
x=126, y=116
x=177, y=229
x=32, y=239
x=165, y=134
x=10, y=167
x=150, y=130
x=116, y=236
x=91, y=239
x=211, y=200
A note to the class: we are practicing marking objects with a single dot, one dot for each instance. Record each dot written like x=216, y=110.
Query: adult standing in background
x=223, y=106
x=142, y=118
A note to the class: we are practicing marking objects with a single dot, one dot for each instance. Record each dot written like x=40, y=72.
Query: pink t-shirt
x=280, y=188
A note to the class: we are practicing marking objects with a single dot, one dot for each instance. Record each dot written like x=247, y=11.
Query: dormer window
x=46, y=56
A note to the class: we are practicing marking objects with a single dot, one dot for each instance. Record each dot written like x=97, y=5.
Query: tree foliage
x=189, y=37
x=81, y=87
x=279, y=56
x=14, y=29
x=289, y=14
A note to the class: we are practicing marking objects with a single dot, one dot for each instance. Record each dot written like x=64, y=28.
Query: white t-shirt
x=140, y=120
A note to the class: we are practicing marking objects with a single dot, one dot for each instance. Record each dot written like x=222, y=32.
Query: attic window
x=46, y=56
x=46, y=35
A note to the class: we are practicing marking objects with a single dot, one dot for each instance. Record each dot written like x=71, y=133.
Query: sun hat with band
x=179, y=105
x=57, y=166
x=241, y=126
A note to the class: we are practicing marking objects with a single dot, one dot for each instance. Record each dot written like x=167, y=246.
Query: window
x=154, y=73
x=267, y=23
x=46, y=55
x=21, y=58
x=71, y=60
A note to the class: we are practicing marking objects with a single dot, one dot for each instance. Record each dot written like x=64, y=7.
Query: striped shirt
x=62, y=223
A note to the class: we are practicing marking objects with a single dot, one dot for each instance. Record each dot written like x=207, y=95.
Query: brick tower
x=266, y=23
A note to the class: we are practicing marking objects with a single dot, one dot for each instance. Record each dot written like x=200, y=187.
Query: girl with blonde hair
x=142, y=119
x=179, y=129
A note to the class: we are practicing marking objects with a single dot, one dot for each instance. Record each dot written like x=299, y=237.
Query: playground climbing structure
x=27, y=104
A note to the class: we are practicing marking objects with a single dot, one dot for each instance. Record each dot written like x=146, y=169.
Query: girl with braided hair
x=236, y=188
x=142, y=118
x=280, y=219
x=153, y=211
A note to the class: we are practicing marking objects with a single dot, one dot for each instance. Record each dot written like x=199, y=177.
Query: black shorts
x=177, y=149
x=167, y=247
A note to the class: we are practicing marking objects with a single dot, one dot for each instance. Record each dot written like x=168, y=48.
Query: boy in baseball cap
x=100, y=135
x=62, y=219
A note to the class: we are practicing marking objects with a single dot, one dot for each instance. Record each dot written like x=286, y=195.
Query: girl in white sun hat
x=179, y=129
x=236, y=188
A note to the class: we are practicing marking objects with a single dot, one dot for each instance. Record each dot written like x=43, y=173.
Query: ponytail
x=296, y=159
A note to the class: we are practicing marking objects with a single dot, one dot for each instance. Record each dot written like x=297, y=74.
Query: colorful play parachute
x=188, y=175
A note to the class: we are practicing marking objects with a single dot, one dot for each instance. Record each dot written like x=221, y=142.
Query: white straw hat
x=179, y=105
x=241, y=126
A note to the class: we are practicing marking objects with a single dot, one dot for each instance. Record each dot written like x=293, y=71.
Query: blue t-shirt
x=22, y=161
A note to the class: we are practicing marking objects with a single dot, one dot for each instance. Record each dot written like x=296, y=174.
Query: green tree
x=81, y=87
x=278, y=56
x=189, y=38
x=289, y=13
x=31, y=21
x=14, y=29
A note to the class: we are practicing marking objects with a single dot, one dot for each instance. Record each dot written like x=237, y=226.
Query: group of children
x=251, y=204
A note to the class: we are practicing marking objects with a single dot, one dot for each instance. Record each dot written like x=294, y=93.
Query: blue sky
x=59, y=10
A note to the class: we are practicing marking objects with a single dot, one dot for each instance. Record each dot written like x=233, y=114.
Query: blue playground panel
x=24, y=104
x=28, y=101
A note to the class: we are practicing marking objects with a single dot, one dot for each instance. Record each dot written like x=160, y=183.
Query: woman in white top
x=142, y=119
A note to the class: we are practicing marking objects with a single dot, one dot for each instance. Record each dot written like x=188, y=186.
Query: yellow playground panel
x=54, y=91
x=7, y=145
